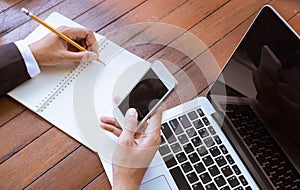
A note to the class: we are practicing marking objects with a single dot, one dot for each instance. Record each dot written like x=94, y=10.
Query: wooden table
x=35, y=154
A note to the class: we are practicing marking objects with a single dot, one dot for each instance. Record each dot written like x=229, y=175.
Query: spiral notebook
x=50, y=94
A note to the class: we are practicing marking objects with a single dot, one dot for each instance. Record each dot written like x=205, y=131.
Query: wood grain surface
x=34, y=154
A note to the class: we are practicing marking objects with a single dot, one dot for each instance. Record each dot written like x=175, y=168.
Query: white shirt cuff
x=30, y=62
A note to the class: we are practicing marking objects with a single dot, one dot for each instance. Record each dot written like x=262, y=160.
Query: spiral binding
x=60, y=87
x=65, y=82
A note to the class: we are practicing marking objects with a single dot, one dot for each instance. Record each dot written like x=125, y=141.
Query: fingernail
x=132, y=112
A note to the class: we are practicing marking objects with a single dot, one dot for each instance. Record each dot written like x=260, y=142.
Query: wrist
x=125, y=183
x=127, y=178
x=125, y=186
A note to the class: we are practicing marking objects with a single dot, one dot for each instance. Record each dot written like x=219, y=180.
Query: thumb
x=130, y=124
x=82, y=56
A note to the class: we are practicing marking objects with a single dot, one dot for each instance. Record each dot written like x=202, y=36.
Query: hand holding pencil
x=64, y=45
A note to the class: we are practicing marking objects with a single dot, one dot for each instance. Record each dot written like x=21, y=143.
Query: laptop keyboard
x=267, y=152
x=196, y=156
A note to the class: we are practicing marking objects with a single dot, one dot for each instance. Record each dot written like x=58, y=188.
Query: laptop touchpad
x=156, y=183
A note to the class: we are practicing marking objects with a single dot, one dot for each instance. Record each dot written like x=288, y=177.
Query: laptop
x=242, y=134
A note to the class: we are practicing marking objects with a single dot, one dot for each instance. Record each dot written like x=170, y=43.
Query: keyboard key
x=214, y=151
x=192, y=115
x=230, y=159
x=239, y=188
x=162, y=140
x=220, y=181
x=196, y=141
x=217, y=139
x=192, y=177
x=233, y=182
x=188, y=148
x=202, y=150
x=194, y=157
x=183, y=139
x=243, y=180
x=262, y=159
x=191, y=132
x=211, y=186
x=168, y=133
x=184, y=121
x=200, y=112
x=208, y=160
x=223, y=149
x=175, y=147
x=211, y=130
x=186, y=167
x=203, y=132
x=225, y=188
x=209, y=142
x=205, y=120
x=213, y=170
x=163, y=150
x=249, y=140
x=179, y=178
x=221, y=161
x=205, y=177
x=198, y=124
x=176, y=126
x=170, y=160
x=181, y=157
x=226, y=171
x=198, y=186
x=236, y=169
x=199, y=167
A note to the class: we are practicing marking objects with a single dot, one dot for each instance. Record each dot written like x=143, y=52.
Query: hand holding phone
x=149, y=92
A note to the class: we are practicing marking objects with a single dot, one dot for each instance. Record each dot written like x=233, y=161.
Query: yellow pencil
x=64, y=37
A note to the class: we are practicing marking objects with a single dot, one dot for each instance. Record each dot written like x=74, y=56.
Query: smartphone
x=151, y=89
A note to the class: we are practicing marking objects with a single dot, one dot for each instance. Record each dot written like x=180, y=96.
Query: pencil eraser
x=25, y=11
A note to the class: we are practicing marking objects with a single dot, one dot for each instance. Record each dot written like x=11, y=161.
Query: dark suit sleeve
x=13, y=70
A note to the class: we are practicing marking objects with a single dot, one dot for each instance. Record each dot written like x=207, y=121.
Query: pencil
x=59, y=34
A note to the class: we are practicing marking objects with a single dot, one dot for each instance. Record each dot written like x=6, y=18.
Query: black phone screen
x=145, y=95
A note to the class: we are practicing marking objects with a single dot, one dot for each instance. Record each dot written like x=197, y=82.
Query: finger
x=88, y=56
x=130, y=124
x=111, y=128
x=109, y=120
x=117, y=99
x=152, y=132
x=93, y=48
x=154, y=122
x=83, y=56
x=78, y=34
x=163, y=107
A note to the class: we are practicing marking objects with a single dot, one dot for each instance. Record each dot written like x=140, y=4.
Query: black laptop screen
x=265, y=69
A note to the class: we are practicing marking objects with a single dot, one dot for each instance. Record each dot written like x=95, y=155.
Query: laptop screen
x=265, y=70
